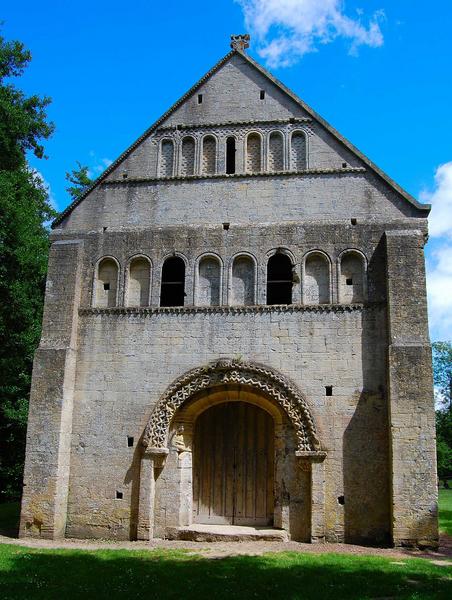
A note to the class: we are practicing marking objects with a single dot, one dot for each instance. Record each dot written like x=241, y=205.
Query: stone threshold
x=226, y=533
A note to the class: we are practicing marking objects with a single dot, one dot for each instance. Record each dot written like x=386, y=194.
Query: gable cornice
x=422, y=207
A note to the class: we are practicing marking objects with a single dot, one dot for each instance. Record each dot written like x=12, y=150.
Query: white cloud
x=99, y=166
x=440, y=222
x=439, y=289
x=288, y=29
x=439, y=260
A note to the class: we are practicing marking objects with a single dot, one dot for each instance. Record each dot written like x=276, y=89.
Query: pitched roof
x=423, y=207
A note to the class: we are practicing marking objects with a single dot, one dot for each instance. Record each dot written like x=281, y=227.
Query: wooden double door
x=234, y=465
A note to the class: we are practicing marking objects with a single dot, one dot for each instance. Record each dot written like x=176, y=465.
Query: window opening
x=230, y=155
x=199, y=98
x=226, y=226
x=172, y=291
x=279, y=279
x=119, y=495
x=328, y=390
x=349, y=281
x=106, y=286
x=262, y=95
x=129, y=441
x=353, y=221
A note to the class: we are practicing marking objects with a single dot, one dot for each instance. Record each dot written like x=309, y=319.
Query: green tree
x=23, y=120
x=24, y=211
x=442, y=379
x=80, y=180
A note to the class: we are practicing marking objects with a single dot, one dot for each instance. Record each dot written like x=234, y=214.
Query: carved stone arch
x=128, y=296
x=248, y=256
x=347, y=291
x=276, y=157
x=113, y=292
x=320, y=298
x=254, y=152
x=296, y=289
x=208, y=159
x=215, y=295
x=298, y=150
x=166, y=157
x=227, y=371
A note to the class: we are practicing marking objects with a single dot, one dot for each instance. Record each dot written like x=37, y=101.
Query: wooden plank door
x=233, y=465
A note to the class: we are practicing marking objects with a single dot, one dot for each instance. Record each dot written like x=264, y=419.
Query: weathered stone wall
x=237, y=200
x=48, y=454
x=412, y=416
x=126, y=361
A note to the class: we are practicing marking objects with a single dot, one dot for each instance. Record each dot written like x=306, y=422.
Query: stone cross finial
x=240, y=42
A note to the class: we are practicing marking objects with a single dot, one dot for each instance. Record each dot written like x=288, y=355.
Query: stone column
x=314, y=462
x=184, y=464
x=153, y=458
x=47, y=461
x=411, y=407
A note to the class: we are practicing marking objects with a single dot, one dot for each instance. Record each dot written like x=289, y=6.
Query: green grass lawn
x=445, y=511
x=111, y=574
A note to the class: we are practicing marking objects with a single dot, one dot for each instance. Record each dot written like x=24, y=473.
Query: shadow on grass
x=9, y=519
x=445, y=521
x=26, y=573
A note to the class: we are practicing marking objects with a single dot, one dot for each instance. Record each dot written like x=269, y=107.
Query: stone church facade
x=235, y=332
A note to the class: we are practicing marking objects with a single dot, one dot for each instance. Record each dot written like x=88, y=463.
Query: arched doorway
x=266, y=445
x=233, y=465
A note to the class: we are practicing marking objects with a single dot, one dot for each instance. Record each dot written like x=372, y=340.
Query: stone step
x=226, y=533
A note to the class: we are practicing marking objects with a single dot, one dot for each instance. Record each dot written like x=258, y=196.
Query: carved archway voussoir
x=224, y=372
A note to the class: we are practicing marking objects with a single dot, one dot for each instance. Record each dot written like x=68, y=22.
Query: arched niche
x=298, y=151
x=187, y=163
x=316, y=281
x=253, y=153
x=208, y=281
x=352, y=277
x=106, y=283
x=209, y=155
x=138, y=281
x=243, y=281
x=166, y=165
x=276, y=152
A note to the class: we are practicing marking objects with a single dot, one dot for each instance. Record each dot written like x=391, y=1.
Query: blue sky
x=378, y=71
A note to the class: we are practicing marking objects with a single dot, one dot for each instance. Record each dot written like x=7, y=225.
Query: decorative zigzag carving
x=228, y=371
